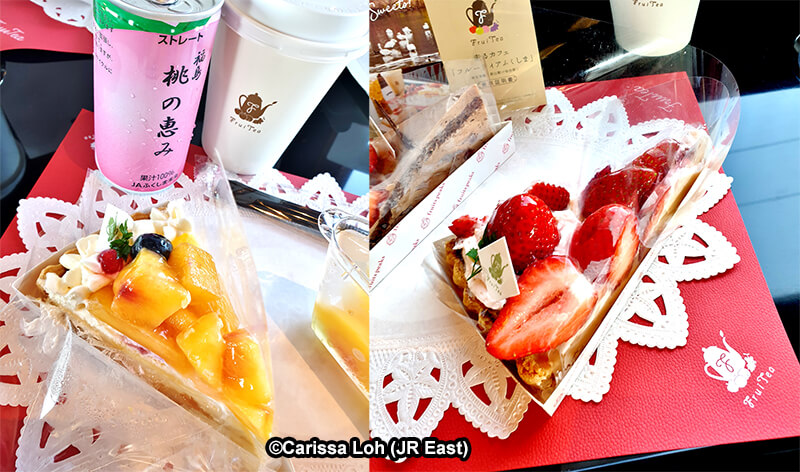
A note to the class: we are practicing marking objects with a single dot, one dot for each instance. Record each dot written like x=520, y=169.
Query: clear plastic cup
x=341, y=312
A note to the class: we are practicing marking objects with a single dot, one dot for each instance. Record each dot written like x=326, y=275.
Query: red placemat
x=24, y=25
x=660, y=399
x=62, y=179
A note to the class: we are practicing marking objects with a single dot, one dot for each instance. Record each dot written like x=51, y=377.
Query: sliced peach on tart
x=221, y=306
x=185, y=238
x=197, y=272
x=244, y=369
x=203, y=345
x=257, y=418
x=146, y=292
x=176, y=323
x=99, y=304
x=246, y=383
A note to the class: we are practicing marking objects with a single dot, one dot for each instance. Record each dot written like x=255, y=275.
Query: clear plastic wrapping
x=431, y=134
x=110, y=402
x=629, y=186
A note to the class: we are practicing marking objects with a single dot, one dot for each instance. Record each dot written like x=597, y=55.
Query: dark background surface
x=43, y=92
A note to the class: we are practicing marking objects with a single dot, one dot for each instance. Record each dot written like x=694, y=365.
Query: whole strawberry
x=556, y=197
x=529, y=227
x=628, y=186
x=660, y=158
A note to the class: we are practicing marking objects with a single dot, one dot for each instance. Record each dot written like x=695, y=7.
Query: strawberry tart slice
x=571, y=257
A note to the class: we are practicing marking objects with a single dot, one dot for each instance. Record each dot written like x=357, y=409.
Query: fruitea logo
x=481, y=16
x=728, y=365
x=497, y=268
x=250, y=112
x=251, y=108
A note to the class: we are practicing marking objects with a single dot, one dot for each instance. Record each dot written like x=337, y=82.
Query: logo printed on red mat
x=761, y=380
x=727, y=365
x=12, y=32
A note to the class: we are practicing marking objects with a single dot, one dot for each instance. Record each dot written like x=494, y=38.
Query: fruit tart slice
x=145, y=292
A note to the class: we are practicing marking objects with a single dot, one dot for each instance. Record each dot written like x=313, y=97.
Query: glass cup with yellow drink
x=341, y=312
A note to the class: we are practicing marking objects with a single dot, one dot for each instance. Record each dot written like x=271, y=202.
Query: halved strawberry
x=556, y=197
x=555, y=300
x=606, y=243
x=625, y=186
x=463, y=226
x=530, y=229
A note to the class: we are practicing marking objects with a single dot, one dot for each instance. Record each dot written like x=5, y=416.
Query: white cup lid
x=327, y=21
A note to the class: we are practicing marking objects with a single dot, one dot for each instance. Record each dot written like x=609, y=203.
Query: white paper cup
x=653, y=27
x=264, y=83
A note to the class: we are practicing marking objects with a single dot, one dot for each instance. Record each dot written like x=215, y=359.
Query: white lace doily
x=71, y=12
x=319, y=193
x=417, y=371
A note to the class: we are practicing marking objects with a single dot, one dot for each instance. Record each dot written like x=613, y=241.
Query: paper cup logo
x=728, y=365
x=251, y=108
x=425, y=222
x=481, y=16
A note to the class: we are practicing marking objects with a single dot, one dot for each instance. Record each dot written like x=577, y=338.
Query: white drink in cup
x=273, y=62
x=653, y=27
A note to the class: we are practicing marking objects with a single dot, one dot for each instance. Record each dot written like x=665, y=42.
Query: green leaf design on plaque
x=497, y=268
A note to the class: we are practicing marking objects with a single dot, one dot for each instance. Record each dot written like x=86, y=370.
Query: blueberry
x=154, y=242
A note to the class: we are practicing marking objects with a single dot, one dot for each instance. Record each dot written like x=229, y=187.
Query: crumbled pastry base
x=537, y=371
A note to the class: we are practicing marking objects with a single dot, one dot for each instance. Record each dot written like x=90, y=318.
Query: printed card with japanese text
x=501, y=34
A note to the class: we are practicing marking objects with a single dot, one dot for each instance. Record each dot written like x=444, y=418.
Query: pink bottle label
x=147, y=88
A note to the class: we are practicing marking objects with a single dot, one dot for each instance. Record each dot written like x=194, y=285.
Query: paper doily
x=71, y=12
x=414, y=379
x=319, y=193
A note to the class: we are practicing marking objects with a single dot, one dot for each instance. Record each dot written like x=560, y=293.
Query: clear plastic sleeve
x=625, y=196
x=434, y=139
x=108, y=402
